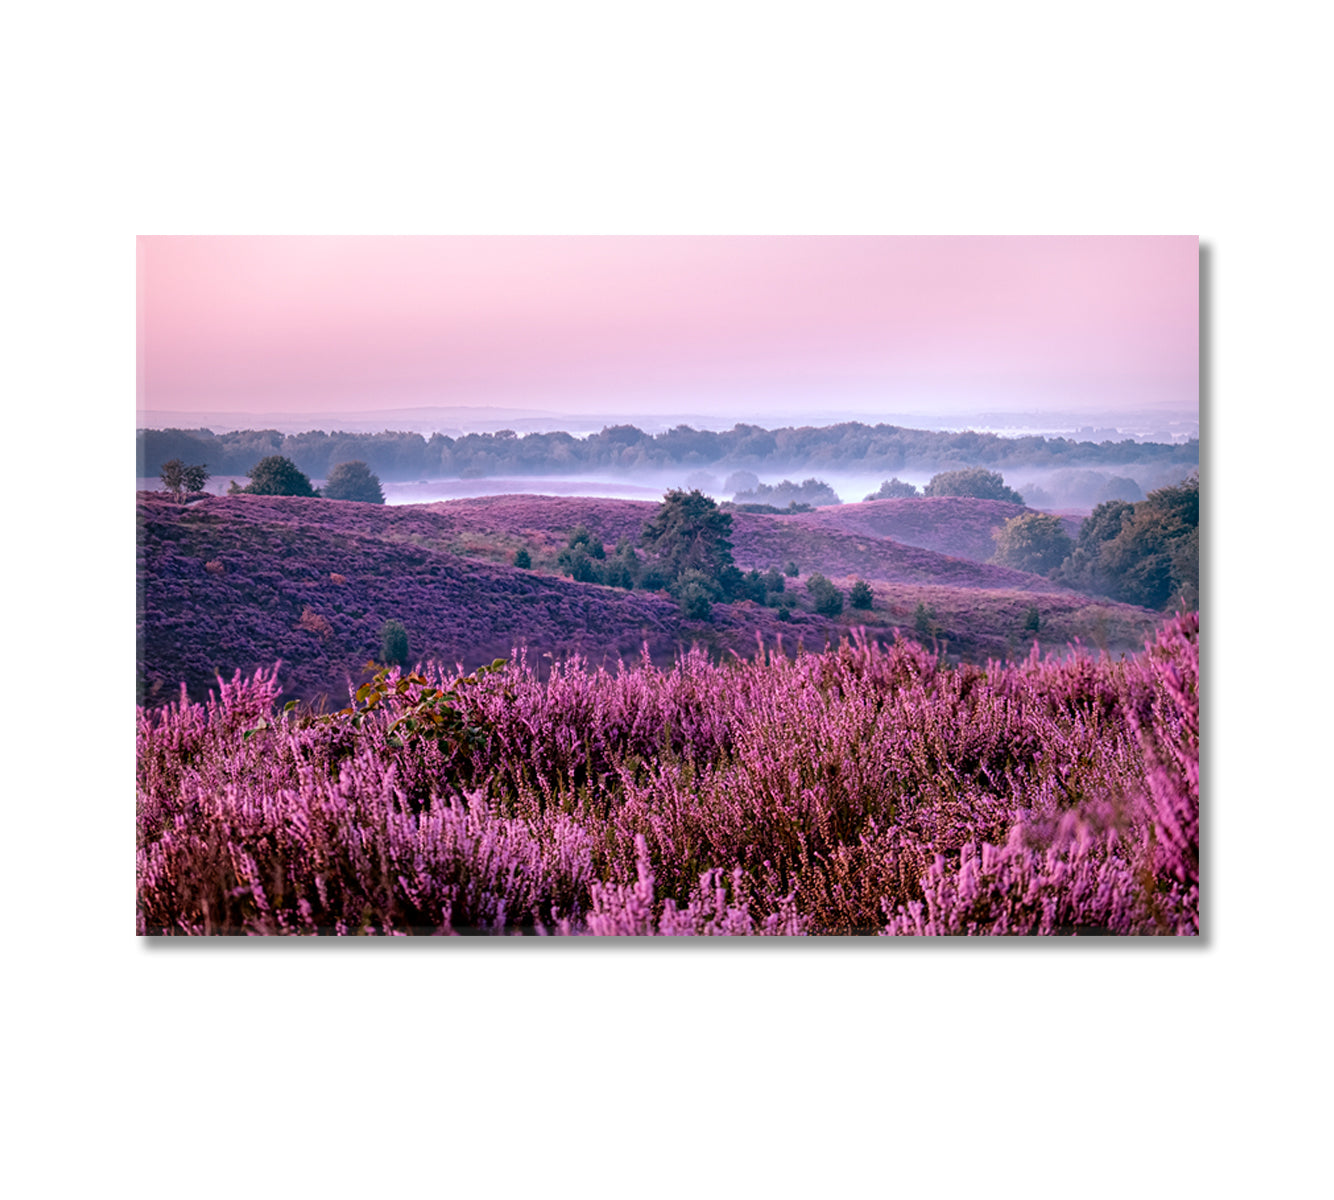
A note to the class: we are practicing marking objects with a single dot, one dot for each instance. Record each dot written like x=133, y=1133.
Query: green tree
x=180, y=479
x=578, y=564
x=353, y=481
x=580, y=536
x=1032, y=619
x=860, y=595
x=894, y=489
x=522, y=558
x=694, y=592
x=1032, y=542
x=827, y=598
x=1146, y=553
x=393, y=643
x=791, y=570
x=976, y=482
x=688, y=533
x=278, y=476
x=1083, y=570
x=924, y=620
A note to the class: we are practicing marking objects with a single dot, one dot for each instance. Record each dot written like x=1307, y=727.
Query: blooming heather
x=864, y=789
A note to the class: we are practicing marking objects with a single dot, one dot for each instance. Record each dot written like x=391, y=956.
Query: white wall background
x=824, y=1069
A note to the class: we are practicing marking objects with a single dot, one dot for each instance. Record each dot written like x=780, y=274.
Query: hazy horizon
x=466, y=334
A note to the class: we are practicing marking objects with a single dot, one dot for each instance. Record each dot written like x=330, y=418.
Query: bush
x=924, y=620
x=977, y=482
x=894, y=489
x=807, y=492
x=1032, y=619
x=860, y=595
x=581, y=537
x=353, y=481
x=393, y=643
x=827, y=598
x=694, y=593
x=1032, y=542
x=278, y=476
x=791, y=570
x=522, y=558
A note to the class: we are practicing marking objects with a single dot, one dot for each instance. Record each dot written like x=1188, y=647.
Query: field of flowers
x=864, y=789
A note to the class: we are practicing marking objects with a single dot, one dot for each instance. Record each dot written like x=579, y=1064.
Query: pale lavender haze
x=739, y=328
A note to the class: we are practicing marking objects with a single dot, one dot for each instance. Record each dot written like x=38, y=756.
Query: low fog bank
x=1065, y=488
x=1078, y=488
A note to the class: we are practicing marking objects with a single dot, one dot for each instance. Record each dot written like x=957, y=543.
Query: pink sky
x=356, y=324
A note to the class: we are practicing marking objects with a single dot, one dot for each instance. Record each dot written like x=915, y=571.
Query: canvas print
x=668, y=586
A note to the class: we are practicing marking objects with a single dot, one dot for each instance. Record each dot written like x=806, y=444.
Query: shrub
x=278, y=476
x=1032, y=619
x=827, y=598
x=791, y=570
x=694, y=592
x=807, y=492
x=1032, y=542
x=860, y=595
x=581, y=537
x=924, y=620
x=522, y=558
x=976, y=482
x=393, y=643
x=353, y=481
x=894, y=489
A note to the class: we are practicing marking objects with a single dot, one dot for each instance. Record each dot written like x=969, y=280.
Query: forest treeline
x=624, y=448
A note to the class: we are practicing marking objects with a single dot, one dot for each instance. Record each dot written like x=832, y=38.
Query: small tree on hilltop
x=278, y=476
x=179, y=479
x=1032, y=542
x=976, y=482
x=353, y=481
x=894, y=489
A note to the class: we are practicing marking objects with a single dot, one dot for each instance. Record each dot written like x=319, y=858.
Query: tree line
x=397, y=455
x=278, y=476
x=1147, y=553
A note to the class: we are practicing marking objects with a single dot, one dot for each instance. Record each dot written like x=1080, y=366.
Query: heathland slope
x=817, y=541
x=238, y=582
x=961, y=526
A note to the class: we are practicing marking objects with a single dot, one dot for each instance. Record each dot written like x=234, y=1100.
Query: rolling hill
x=238, y=582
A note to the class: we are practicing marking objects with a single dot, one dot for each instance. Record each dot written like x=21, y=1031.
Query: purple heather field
x=631, y=770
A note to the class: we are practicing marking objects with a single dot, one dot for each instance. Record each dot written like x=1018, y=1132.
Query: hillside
x=239, y=582
x=956, y=525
